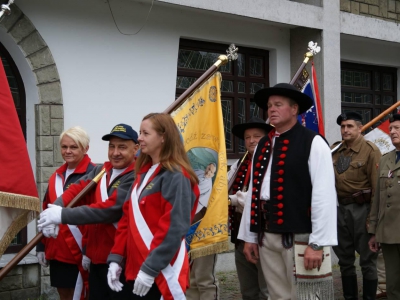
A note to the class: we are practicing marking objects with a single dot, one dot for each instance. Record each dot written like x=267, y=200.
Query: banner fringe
x=19, y=222
x=315, y=289
x=19, y=201
x=209, y=249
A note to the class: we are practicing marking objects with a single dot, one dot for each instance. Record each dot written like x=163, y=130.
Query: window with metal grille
x=368, y=90
x=240, y=80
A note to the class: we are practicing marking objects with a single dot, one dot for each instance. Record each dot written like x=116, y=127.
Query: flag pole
x=222, y=60
x=372, y=122
x=380, y=116
x=28, y=247
x=298, y=80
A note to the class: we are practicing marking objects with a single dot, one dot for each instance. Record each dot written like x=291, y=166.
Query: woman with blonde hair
x=157, y=216
x=64, y=253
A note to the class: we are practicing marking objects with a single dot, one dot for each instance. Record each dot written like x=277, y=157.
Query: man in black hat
x=293, y=195
x=251, y=279
x=355, y=163
x=101, y=207
x=385, y=217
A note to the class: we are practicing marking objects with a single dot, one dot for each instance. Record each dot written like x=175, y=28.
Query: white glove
x=52, y=215
x=234, y=200
x=143, y=283
x=241, y=197
x=50, y=230
x=114, y=271
x=86, y=262
x=42, y=259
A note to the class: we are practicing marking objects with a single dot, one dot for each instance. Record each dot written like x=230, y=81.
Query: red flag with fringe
x=19, y=200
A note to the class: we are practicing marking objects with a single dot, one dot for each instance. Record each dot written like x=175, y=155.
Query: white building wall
x=109, y=78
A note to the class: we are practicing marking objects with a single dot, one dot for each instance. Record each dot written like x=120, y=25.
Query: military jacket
x=385, y=209
x=361, y=174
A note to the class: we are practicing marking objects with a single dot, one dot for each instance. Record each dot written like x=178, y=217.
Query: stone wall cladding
x=29, y=281
x=388, y=10
x=21, y=283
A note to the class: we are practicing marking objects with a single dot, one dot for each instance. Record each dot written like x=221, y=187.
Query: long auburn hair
x=172, y=155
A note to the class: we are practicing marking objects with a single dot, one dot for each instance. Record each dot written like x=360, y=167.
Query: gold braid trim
x=19, y=201
x=17, y=224
x=209, y=250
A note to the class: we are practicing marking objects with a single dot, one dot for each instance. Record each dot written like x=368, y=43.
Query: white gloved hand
x=50, y=230
x=143, y=283
x=52, y=215
x=234, y=200
x=114, y=271
x=86, y=262
x=42, y=259
x=241, y=197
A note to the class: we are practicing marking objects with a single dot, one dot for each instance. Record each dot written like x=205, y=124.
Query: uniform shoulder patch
x=335, y=144
x=372, y=145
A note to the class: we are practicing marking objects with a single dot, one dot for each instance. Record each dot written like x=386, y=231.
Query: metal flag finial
x=232, y=52
x=313, y=47
x=5, y=9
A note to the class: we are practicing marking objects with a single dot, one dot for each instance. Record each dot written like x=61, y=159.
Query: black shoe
x=350, y=289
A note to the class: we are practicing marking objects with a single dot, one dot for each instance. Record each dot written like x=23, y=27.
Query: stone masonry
x=388, y=10
x=29, y=281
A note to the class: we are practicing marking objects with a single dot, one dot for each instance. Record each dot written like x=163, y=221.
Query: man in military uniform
x=385, y=212
x=355, y=162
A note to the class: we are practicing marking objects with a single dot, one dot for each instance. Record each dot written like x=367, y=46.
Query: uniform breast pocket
x=385, y=179
x=355, y=171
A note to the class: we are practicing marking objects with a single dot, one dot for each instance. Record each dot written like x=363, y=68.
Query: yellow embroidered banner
x=200, y=122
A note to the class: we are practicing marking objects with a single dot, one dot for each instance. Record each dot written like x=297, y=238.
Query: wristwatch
x=315, y=247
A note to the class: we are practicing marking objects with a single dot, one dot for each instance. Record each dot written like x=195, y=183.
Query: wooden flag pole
x=222, y=60
x=380, y=116
x=298, y=80
x=24, y=251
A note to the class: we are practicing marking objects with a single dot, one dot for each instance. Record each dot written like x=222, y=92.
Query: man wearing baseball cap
x=101, y=207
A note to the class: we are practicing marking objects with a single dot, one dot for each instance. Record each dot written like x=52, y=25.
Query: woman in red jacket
x=65, y=251
x=157, y=216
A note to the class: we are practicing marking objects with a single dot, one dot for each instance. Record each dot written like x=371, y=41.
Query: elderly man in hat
x=355, y=163
x=385, y=212
x=292, y=197
x=251, y=279
x=101, y=207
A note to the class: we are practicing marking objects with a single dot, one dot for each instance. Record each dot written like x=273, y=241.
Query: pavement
x=229, y=284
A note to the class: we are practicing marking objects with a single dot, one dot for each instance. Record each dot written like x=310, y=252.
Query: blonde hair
x=78, y=135
x=172, y=155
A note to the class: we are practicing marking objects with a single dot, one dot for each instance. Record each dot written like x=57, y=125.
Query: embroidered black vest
x=238, y=185
x=290, y=185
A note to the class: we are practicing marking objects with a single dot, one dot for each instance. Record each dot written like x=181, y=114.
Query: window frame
x=233, y=76
x=375, y=109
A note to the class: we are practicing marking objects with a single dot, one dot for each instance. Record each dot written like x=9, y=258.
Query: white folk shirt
x=323, y=202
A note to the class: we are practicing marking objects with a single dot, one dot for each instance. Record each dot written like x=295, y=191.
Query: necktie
x=397, y=156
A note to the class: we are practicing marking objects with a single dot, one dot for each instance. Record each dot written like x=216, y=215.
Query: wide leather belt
x=359, y=197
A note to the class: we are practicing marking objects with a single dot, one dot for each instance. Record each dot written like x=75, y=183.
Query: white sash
x=171, y=273
x=104, y=193
x=77, y=236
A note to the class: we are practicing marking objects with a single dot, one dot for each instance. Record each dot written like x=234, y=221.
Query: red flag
x=18, y=194
x=318, y=108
